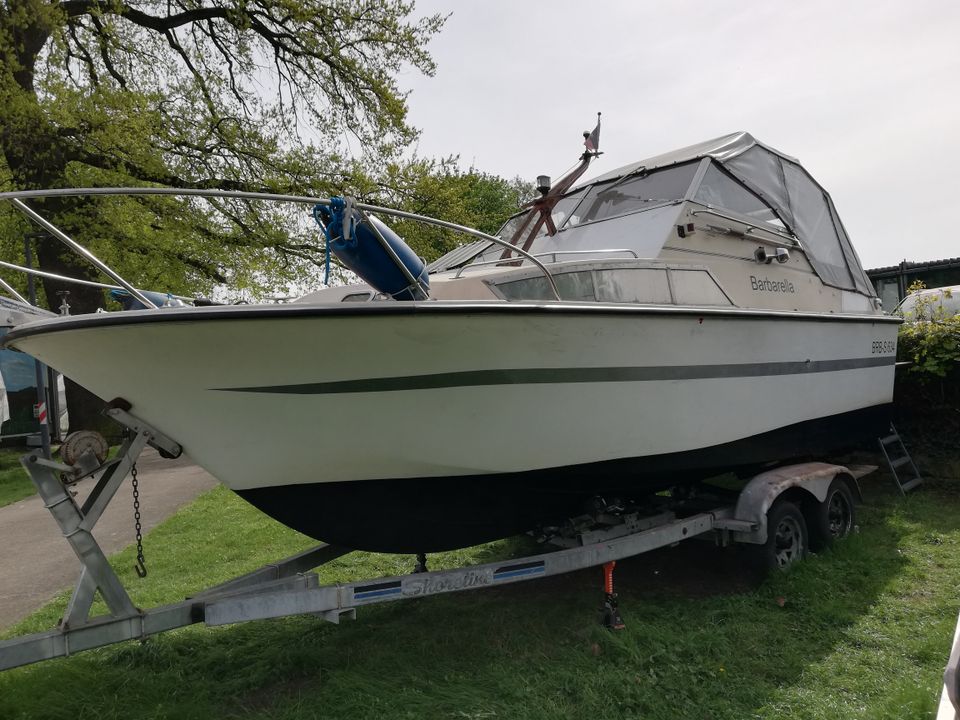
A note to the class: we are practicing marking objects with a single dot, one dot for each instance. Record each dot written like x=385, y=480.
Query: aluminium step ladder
x=899, y=458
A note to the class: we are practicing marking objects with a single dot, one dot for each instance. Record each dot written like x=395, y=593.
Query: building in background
x=891, y=283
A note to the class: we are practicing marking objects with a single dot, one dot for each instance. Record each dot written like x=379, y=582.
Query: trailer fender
x=805, y=482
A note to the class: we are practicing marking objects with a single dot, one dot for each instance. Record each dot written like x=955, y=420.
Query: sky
x=865, y=94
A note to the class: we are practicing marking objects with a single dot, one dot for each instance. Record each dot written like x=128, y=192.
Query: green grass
x=15, y=484
x=864, y=631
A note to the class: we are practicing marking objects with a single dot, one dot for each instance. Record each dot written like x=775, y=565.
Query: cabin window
x=573, y=286
x=357, y=297
x=719, y=190
x=645, y=285
x=635, y=193
x=696, y=287
x=633, y=285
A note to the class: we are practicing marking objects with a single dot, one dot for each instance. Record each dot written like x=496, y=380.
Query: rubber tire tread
x=819, y=532
x=763, y=557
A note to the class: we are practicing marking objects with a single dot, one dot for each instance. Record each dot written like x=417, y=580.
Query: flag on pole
x=592, y=140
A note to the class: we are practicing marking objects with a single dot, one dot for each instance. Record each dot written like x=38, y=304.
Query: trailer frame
x=291, y=587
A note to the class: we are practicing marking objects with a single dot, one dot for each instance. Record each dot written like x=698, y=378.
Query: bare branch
x=198, y=77
x=103, y=41
x=75, y=8
x=84, y=54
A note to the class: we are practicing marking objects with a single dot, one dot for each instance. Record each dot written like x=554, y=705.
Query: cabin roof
x=722, y=149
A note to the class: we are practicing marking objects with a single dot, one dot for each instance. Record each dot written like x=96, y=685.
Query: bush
x=932, y=346
x=930, y=339
x=927, y=393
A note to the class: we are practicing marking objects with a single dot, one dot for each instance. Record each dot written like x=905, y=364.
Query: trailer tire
x=787, y=538
x=834, y=517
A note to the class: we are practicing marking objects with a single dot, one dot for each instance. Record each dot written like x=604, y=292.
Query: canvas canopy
x=801, y=204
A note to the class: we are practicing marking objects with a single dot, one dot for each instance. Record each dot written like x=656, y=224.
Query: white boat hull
x=414, y=396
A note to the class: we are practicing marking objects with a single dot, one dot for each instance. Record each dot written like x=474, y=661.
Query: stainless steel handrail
x=80, y=250
x=16, y=196
x=552, y=254
x=67, y=279
x=6, y=286
x=55, y=276
x=732, y=218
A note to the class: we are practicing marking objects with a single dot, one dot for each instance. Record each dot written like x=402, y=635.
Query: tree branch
x=84, y=55
x=76, y=8
x=116, y=164
x=103, y=42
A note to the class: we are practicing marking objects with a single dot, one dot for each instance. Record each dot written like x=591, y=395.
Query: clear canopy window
x=629, y=195
x=719, y=190
x=804, y=207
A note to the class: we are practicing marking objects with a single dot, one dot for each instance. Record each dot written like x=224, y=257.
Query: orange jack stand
x=610, y=612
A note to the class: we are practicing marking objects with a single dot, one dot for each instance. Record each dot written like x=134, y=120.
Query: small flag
x=592, y=140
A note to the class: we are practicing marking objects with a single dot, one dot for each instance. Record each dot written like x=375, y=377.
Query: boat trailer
x=288, y=587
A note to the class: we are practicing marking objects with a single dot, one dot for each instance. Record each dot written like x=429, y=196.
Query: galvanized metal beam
x=347, y=596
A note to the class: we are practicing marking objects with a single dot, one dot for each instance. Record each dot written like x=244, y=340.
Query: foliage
x=228, y=94
x=441, y=190
x=930, y=338
x=260, y=95
x=15, y=484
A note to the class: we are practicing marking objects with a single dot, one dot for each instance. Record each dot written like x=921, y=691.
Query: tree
x=102, y=91
x=440, y=189
x=228, y=94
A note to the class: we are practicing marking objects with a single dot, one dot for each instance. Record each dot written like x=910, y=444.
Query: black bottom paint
x=413, y=515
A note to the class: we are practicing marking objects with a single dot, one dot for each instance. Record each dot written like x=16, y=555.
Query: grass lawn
x=15, y=484
x=862, y=631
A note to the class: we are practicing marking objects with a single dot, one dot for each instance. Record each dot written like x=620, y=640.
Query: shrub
x=930, y=339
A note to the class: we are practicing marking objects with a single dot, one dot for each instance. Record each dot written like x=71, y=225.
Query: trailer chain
x=140, y=567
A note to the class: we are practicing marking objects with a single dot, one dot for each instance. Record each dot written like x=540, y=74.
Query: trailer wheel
x=835, y=516
x=787, y=538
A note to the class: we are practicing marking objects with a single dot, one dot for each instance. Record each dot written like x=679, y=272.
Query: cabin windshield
x=631, y=194
x=561, y=211
x=595, y=203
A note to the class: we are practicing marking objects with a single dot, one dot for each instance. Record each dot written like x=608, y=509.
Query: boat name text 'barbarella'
x=768, y=285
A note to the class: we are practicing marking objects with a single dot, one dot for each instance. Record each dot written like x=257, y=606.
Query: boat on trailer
x=696, y=313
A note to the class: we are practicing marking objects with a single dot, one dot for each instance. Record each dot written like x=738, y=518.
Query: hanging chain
x=140, y=567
